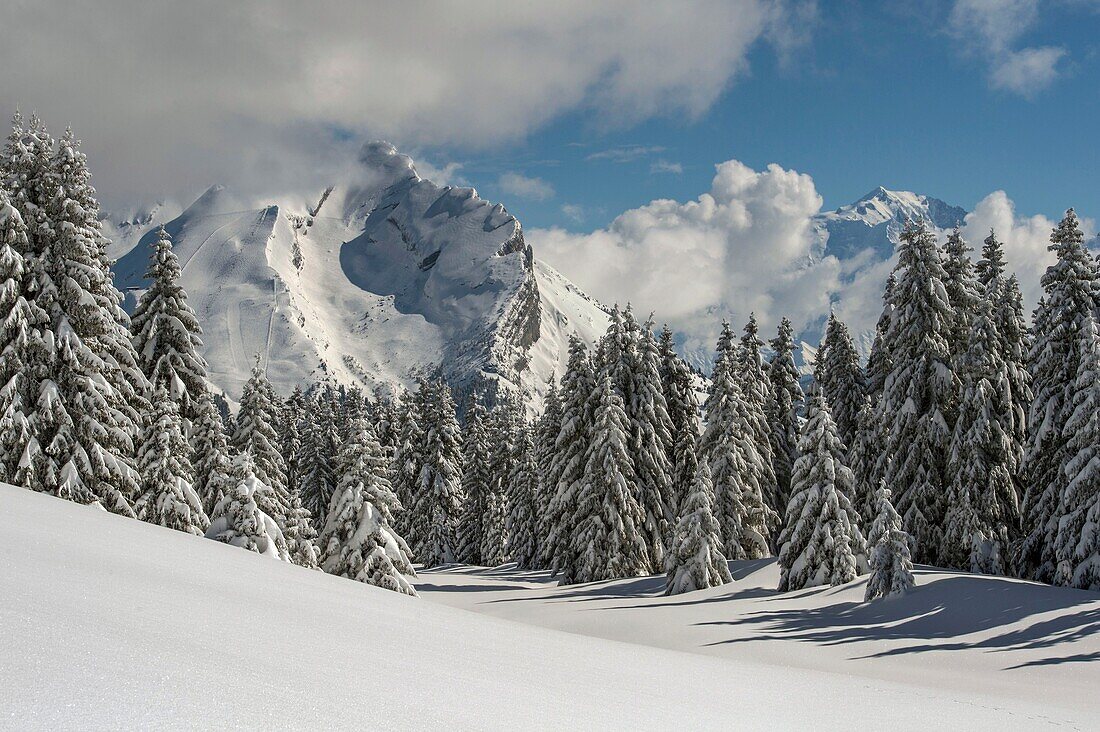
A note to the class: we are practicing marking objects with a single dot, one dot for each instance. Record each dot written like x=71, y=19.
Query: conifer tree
x=963, y=291
x=546, y=435
x=650, y=443
x=408, y=459
x=821, y=542
x=841, y=378
x=1077, y=547
x=567, y=467
x=916, y=411
x=522, y=509
x=1011, y=326
x=439, y=490
x=167, y=336
x=683, y=412
x=289, y=431
x=879, y=361
x=21, y=346
x=255, y=433
x=167, y=497
x=891, y=568
x=358, y=541
x=786, y=406
x=744, y=519
x=983, y=503
x=239, y=520
x=211, y=463
x=695, y=559
x=609, y=541
x=1055, y=359
x=862, y=456
x=316, y=455
x=756, y=395
x=475, y=484
x=85, y=418
x=502, y=425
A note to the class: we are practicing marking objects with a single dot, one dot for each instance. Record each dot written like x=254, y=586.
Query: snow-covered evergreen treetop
x=167, y=336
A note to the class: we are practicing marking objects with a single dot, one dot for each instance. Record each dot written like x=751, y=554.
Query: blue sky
x=878, y=96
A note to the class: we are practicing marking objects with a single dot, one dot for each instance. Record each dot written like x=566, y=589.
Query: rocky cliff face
x=388, y=277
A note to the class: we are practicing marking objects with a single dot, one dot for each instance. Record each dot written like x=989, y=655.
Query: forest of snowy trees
x=968, y=440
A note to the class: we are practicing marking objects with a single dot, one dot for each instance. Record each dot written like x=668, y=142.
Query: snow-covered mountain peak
x=875, y=220
x=385, y=277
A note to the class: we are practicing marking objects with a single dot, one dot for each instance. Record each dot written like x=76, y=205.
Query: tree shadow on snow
x=943, y=609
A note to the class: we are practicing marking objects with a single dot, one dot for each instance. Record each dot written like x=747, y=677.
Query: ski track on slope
x=210, y=236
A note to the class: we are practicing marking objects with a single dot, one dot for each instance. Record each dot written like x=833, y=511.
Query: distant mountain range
x=389, y=276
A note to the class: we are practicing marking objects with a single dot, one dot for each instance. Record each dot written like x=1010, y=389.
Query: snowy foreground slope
x=385, y=277
x=993, y=642
x=109, y=622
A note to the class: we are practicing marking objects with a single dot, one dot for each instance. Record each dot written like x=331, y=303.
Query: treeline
x=968, y=440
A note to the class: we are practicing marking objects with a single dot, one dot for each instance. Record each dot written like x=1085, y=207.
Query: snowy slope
x=107, y=622
x=964, y=636
x=387, y=277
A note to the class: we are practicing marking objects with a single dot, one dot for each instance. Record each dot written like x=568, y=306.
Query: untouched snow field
x=107, y=622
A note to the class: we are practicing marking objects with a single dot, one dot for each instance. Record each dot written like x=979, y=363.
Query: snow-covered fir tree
x=167, y=336
x=88, y=401
x=289, y=430
x=546, y=434
x=821, y=542
x=408, y=459
x=786, y=405
x=476, y=477
x=567, y=468
x=20, y=346
x=916, y=411
x=677, y=380
x=651, y=440
x=1055, y=359
x=210, y=460
x=522, y=488
x=255, y=432
x=317, y=451
x=358, y=540
x=167, y=497
x=841, y=378
x=962, y=290
x=695, y=560
x=438, y=499
x=862, y=456
x=1008, y=316
x=728, y=447
x=1077, y=537
x=983, y=510
x=756, y=398
x=502, y=426
x=879, y=361
x=238, y=519
x=891, y=570
x=609, y=541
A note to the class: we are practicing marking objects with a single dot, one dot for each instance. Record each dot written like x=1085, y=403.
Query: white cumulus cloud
x=522, y=186
x=746, y=245
x=269, y=95
x=990, y=29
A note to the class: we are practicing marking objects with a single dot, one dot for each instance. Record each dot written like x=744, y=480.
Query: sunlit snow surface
x=107, y=622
